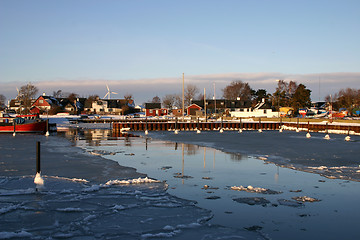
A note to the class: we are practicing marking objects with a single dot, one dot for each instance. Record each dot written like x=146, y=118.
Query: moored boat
x=22, y=124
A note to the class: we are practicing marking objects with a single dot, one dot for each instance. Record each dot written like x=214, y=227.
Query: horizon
x=143, y=47
x=320, y=85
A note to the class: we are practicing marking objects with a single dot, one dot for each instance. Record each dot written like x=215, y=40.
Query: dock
x=171, y=125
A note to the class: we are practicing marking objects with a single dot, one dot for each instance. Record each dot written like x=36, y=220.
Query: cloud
x=143, y=90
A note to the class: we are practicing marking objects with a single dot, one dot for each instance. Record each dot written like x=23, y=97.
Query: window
x=41, y=101
x=264, y=110
x=150, y=111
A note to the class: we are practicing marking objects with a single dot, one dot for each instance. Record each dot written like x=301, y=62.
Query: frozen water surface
x=88, y=197
x=289, y=168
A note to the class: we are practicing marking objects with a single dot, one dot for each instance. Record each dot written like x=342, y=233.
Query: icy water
x=88, y=196
x=272, y=205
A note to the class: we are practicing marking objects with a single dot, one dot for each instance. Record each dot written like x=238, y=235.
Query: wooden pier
x=165, y=125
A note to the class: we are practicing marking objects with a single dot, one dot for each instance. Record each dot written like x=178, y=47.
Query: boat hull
x=34, y=127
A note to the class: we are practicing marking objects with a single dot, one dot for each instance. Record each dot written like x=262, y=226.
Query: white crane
x=108, y=94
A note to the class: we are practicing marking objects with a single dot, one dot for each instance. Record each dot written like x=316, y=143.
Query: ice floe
x=290, y=203
x=253, y=200
x=9, y=235
x=305, y=199
x=255, y=190
x=132, y=181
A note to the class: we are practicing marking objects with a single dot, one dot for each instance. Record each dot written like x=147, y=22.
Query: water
x=187, y=168
x=196, y=200
x=86, y=197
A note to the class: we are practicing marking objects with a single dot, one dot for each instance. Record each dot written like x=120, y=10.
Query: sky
x=142, y=47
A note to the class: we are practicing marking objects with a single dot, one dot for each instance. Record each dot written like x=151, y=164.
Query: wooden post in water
x=260, y=130
x=14, y=122
x=38, y=169
x=308, y=131
x=297, y=126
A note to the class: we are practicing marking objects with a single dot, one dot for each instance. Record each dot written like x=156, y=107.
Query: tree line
x=287, y=94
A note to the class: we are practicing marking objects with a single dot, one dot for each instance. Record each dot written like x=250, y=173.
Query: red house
x=154, y=109
x=192, y=109
x=45, y=103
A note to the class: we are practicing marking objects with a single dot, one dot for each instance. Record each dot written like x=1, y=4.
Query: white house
x=260, y=110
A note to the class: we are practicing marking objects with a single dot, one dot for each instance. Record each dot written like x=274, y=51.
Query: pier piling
x=38, y=169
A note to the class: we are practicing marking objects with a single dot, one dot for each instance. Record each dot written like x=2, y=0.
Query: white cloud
x=146, y=89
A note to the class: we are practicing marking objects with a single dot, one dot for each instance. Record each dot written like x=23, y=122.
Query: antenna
x=108, y=94
x=319, y=88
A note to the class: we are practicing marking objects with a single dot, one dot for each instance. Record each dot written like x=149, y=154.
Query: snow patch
x=38, y=180
x=255, y=190
x=132, y=181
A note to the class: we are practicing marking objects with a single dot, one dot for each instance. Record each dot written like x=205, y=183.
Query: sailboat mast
x=183, y=101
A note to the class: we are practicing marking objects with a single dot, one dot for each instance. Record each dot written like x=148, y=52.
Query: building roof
x=153, y=105
x=223, y=103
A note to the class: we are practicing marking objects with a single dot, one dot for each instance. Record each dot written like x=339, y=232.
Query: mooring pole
x=14, y=122
x=298, y=122
x=38, y=157
x=260, y=129
x=308, y=126
x=326, y=128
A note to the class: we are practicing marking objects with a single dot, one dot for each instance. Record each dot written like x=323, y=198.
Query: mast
x=214, y=100
x=183, y=102
x=205, y=102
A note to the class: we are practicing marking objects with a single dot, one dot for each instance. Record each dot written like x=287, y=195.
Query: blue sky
x=87, y=41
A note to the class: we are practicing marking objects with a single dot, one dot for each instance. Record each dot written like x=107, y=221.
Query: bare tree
x=178, y=100
x=72, y=97
x=348, y=98
x=26, y=94
x=57, y=94
x=237, y=89
x=156, y=99
x=190, y=93
x=2, y=100
x=128, y=96
x=169, y=101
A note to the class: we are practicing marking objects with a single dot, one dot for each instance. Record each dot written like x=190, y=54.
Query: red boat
x=22, y=124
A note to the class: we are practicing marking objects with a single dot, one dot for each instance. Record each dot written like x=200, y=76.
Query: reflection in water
x=237, y=156
x=204, y=157
x=190, y=149
x=214, y=159
x=183, y=162
x=94, y=137
x=277, y=174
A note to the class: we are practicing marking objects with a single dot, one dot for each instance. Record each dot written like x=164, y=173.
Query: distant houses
x=110, y=106
x=75, y=105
